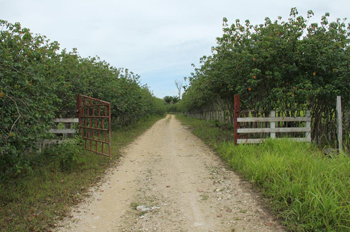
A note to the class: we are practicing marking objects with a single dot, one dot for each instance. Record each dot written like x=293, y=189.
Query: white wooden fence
x=68, y=129
x=273, y=130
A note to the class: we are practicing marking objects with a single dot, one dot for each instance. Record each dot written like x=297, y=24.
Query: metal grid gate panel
x=95, y=124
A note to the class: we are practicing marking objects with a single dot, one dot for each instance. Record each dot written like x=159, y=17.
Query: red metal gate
x=95, y=124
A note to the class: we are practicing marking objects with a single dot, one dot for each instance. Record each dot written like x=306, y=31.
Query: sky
x=157, y=39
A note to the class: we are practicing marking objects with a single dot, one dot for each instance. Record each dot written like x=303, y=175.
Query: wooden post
x=236, y=125
x=78, y=106
x=79, y=114
x=273, y=124
x=308, y=125
x=339, y=124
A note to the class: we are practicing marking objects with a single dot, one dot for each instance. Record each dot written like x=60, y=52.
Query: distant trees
x=171, y=99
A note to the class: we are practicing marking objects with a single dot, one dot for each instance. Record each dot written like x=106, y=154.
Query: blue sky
x=157, y=39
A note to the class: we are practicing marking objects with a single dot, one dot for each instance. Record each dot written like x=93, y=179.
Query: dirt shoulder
x=168, y=180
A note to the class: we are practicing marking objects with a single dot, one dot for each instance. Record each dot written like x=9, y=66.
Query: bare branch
x=178, y=84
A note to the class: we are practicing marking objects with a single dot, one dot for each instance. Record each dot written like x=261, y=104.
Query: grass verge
x=212, y=133
x=307, y=190
x=60, y=178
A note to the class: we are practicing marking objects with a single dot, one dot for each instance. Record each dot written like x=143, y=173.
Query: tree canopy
x=278, y=64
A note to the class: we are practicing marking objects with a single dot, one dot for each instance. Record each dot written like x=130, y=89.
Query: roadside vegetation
x=306, y=189
x=172, y=104
x=283, y=64
x=39, y=81
x=59, y=178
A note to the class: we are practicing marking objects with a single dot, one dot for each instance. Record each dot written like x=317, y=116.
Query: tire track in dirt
x=168, y=180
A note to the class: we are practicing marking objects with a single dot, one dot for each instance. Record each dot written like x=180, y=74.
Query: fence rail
x=68, y=124
x=326, y=126
x=272, y=130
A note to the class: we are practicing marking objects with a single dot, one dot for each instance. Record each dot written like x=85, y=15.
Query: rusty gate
x=95, y=124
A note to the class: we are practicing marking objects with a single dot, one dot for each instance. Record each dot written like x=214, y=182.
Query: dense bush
x=281, y=65
x=39, y=82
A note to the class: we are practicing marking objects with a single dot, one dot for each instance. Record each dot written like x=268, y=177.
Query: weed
x=134, y=205
x=142, y=213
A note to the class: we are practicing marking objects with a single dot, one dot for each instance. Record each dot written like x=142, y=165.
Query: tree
x=175, y=99
x=171, y=99
x=178, y=84
x=168, y=99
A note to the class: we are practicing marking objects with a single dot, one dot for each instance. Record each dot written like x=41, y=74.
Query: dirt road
x=168, y=180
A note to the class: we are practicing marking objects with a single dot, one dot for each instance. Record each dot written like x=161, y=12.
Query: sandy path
x=168, y=180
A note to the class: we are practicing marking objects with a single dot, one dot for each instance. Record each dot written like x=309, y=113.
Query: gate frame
x=86, y=102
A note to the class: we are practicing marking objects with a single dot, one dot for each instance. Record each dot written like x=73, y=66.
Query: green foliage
x=171, y=99
x=173, y=104
x=157, y=106
x=39, y=82
x=173, y=108
x=28, y=104
x=66, y=155
x=307, y=189
x=167, y=99
x=278, y=64
x=175, y=99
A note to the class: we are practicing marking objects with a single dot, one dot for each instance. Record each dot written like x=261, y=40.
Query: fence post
x=339, y=124
x=79, y=114
x=236, y=124
x=273, y=124
x=78, y=106
x=308, y=125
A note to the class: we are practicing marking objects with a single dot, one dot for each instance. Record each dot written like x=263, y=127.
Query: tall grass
x=213, y=133
x=307, y=190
